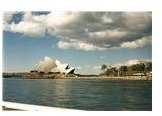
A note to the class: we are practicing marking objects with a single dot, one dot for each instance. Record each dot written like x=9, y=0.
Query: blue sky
x=85, y=40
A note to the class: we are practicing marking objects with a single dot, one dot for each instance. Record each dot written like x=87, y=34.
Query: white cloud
x=137, y=43
x=28, y=16
x=8, y=16
x=91, y=30
x=61, y=18
x=28, y=28
x=132, y=62
x=108, y=34
x=137, y=21
x=36, y=25
x=78, y=45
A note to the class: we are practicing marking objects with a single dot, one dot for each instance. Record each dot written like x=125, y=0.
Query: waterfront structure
x=62, y=68
x=55, y=66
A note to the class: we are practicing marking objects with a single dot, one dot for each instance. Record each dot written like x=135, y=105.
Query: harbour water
x=84, y=94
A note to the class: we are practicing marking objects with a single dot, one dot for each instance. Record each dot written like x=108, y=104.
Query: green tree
x=123, y=70
x=149, y=66
x=138, y=67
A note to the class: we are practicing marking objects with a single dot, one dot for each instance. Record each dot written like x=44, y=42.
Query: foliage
x=127, y=70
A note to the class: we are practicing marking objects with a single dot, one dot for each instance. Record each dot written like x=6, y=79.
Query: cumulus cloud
x=132, y=62
x=28, y=28
x=78, y=45
x=90, y=30
x=137, y=43
x=115, y=34
x=7, y=16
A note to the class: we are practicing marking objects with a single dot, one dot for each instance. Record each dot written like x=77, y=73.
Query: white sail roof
x=50, y=65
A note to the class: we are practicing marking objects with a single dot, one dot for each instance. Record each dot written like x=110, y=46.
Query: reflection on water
x=80, y=94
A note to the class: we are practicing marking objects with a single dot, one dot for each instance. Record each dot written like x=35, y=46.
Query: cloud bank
x=85, y=30
x=132, y=62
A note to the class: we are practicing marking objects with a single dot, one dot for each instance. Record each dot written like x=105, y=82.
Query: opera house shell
x=49, y=65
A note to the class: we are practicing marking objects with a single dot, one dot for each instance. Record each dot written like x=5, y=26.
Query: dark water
x=80, y=93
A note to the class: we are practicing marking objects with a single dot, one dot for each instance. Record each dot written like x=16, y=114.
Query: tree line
x=142, y=69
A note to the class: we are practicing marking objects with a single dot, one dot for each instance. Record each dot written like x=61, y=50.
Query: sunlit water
x=85, y=94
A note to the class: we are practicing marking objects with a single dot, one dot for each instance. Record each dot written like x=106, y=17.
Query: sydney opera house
x=49, y=65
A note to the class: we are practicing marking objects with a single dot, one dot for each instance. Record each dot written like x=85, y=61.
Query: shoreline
x=27, y=75
x=89, y=78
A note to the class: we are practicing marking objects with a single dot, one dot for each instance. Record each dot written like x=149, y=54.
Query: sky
x=85, y=40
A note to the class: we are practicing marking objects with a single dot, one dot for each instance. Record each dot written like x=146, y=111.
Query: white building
x=48, y=65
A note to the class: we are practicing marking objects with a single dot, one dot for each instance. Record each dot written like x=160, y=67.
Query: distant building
x=54, y=66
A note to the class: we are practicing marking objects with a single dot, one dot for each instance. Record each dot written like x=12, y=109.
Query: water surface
x=85, y=94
